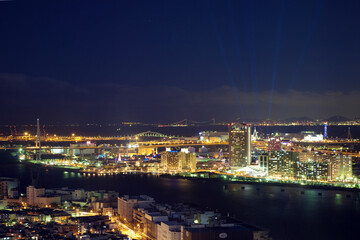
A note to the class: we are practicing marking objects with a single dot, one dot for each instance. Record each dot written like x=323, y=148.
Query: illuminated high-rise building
x=178, y=161
x=187, y=161
x=170, y=160
x=311, y=156
x=239, y=145
x=314, y=170
x=282, y=164
x=340, y=167
x=263, y=160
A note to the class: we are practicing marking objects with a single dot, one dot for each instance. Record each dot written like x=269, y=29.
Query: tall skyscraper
x=239, y=145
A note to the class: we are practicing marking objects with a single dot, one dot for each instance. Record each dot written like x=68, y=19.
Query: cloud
x=20, y=83
x=23, y=97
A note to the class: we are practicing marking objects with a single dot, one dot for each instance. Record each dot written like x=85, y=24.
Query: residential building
x=32, y=193
x=340, y=167
x=127, y=203
x=152, y=221
x=223, y=231
x=263, y=159
x=170, y=161
x=178, y=161
x=314, y=170
x=8, y=188
x=170, y=230
x=282, y=164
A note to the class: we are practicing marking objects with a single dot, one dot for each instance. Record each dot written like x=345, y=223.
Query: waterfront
x=286, y=212
x=106, y=130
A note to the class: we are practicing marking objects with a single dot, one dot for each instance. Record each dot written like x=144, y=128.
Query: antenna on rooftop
x=38, y=142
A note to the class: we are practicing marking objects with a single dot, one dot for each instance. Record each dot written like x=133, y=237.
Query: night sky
x=163, y=61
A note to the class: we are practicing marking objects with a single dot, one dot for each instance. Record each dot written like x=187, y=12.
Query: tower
x=255, y=134
x=239, y=145
x=325, y=130
x=38, y=142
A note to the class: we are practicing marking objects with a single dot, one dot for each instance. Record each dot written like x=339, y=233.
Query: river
x=284, y=211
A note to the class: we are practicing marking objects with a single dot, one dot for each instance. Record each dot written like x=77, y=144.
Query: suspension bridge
x=189, y=122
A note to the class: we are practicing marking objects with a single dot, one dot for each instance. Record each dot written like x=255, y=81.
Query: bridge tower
x=38, y=142
x=349, y=134
x=214, y=122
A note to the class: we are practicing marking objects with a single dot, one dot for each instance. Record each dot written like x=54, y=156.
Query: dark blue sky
x=164, y=61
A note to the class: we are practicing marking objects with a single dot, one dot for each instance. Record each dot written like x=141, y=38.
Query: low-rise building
x=127, y=203
x=152, y=221
x=8, y=188
x=170, y=230
x=32, y=193
x=223, y=231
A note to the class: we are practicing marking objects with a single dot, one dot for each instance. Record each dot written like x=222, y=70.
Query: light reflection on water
x=289, y=212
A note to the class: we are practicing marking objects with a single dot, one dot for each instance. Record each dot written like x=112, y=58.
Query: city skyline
x=179, y=120
x=166, y=61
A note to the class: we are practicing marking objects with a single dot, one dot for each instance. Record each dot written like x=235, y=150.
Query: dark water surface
x=286, y=212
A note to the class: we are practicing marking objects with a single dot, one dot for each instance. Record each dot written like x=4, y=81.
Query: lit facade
x=178, y=161
x=170, y=161
x=274, y=144
x=239, y=145
x=313, y=170
x=282, y=164
x=340, y=167
x=264, y=162
x=309, y=156
x=188, y=161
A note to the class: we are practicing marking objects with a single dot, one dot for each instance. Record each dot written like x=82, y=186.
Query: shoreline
x=77, y=169
x=277, y=184
x=213, y=179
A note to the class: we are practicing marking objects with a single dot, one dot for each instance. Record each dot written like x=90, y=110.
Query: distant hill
x=298, y=119
x=337, y=118
x=333, y=119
